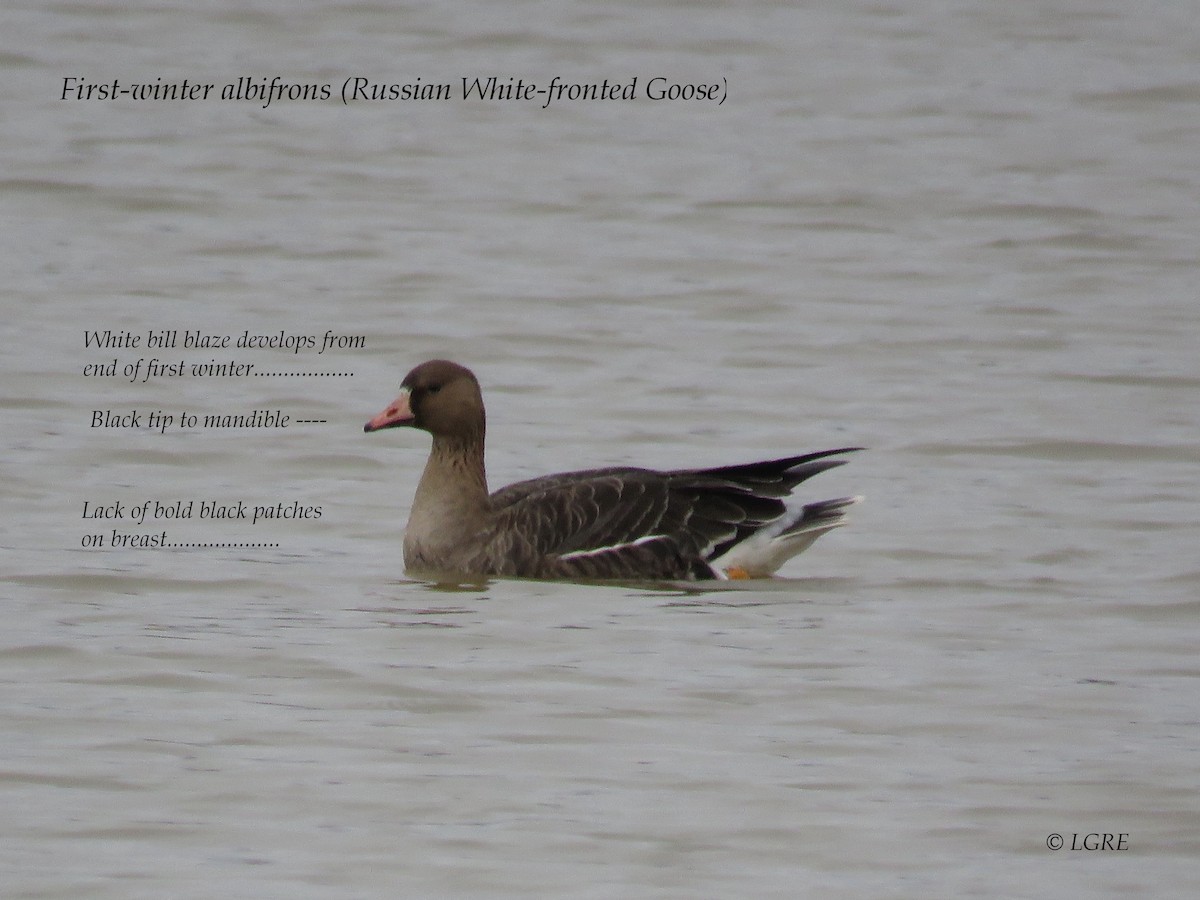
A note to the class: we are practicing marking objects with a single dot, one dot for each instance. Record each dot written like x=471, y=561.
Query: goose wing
x=637, y=523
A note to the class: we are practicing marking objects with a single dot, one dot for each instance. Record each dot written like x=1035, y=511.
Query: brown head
x=440, y=397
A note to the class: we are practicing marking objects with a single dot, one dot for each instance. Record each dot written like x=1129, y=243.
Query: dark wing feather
x=636, y=523
x=776, y=477
x=539, y=522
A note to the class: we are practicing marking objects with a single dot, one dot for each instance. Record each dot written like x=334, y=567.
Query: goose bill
x=397, y=413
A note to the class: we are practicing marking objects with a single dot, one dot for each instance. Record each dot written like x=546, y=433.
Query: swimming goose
x=615, y=523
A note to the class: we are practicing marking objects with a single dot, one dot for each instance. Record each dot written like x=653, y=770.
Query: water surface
x=961, y=235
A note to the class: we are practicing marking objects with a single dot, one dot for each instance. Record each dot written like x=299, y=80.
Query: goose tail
x=762, y=553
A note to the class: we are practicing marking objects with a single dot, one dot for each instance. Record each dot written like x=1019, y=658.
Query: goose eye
x=434, y=388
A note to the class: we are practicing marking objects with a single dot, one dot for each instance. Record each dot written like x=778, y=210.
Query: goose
x=624, y=523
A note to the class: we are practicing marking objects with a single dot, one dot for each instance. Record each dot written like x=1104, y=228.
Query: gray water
x=963, y=235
